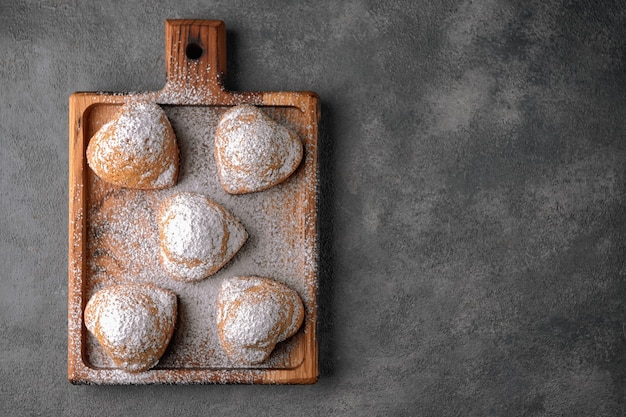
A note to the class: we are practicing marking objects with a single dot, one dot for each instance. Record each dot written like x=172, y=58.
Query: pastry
x=133, y=323
x=137, y=149
x=253, y=152
x=197, y=236
x=253, y=315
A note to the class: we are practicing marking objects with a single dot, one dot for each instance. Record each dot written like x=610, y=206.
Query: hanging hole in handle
x=193, y=51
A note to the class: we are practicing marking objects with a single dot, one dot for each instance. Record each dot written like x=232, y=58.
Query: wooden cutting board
x=112, y=230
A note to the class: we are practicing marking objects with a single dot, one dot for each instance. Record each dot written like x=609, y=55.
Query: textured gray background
x=473, y=200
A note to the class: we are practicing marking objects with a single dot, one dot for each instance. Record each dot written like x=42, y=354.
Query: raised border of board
x=196, y=64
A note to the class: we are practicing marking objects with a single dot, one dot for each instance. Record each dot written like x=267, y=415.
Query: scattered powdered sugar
x=133, y=322
x=253, y=152
x=197, y=236
x=123, y=245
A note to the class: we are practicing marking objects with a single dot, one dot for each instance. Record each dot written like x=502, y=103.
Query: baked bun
x=137, y=149
x=133, y=323
x=254, y=152
x=253, y=315
x=197, y=236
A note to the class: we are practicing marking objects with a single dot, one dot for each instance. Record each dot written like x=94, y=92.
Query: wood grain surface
x=196, y=63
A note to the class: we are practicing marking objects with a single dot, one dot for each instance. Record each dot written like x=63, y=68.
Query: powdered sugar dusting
x=123, y=245
x=134, y=323
x=252, y=151
x=167, y=177
x=254, y=314
x=197, y=236
x=136, y=149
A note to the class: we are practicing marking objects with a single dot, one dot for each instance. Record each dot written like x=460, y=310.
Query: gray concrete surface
x=473, y=199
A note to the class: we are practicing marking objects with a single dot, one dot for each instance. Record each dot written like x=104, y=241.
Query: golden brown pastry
x=253, y=152
x=133, y=323
x=137, y=149
x=197, y=236
x=253, y=315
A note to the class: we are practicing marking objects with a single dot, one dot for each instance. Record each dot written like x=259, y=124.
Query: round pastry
x=133, y=323
x=197, y=236
x=137, y=149
x=253, y=315
x=253, y=152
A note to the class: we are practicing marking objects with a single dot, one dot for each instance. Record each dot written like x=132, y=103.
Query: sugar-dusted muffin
x=137, y=149
x=197, y=236
x=253, y=315
x=253, y=152
x=133, y=323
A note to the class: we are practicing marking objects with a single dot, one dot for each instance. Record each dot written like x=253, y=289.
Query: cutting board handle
x=195, y=54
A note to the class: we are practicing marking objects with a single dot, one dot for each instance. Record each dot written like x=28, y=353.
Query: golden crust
x=137, y=149
x=253, y=152
x=197, y=236
x=254, y=314
x=133, y=323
